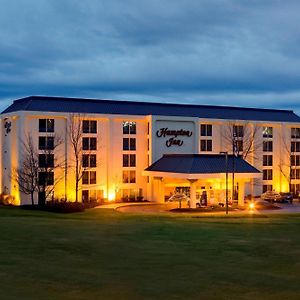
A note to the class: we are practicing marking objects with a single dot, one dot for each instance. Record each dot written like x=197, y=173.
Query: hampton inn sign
x=139, y=150
x=173, y=134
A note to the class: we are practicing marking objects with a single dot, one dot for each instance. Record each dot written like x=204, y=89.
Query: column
x=193, y=192
x=158, y=190
x=241, y=195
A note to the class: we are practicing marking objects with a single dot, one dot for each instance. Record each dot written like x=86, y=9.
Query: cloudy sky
x=229, y=52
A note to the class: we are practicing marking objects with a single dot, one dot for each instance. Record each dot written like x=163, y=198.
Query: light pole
x=226, y=180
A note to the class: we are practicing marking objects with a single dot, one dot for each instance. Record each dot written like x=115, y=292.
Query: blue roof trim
x=79, y=105
x=200, y=164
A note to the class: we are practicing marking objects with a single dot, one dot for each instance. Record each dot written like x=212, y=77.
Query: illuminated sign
x=173, y=140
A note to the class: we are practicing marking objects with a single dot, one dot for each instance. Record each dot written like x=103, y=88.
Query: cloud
x=203, y=51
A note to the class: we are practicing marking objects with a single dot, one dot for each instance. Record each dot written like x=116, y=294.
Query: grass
x=103, y=254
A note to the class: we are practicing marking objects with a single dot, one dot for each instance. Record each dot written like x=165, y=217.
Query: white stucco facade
x=154, y=136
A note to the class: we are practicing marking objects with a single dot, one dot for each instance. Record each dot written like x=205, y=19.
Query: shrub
x=92, y=204
x=6, y=199
x=63, y=206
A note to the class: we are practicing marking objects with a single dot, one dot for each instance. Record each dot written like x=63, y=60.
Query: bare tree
x=241, y=139
x=286, y=164
x=75, y=136
x=49, y=161
x=26, y=175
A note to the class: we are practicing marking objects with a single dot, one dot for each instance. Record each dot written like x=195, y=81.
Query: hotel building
x=137, y=150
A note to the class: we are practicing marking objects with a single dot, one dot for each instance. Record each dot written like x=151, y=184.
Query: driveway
x=150, y=207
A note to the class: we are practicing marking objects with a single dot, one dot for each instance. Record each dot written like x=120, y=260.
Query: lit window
x=129, y=160
x=89, y=177
x=295, y=173
x=46, y=125
x=129, y=176
x=295, y=189
x=267, y=187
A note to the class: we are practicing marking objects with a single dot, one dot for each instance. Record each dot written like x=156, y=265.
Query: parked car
x=287, y=197
x=273, y=196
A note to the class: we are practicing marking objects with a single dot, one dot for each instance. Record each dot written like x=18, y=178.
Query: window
x=206, y=145
x=267, y=160
x=129, y=127
x=295, y=160
x=46, y=125
x=46, y=160
x=206, y=129
x=89, y=126
x=89, y=177
x=89, y=143
x=46, y=178
x=129, y=160
x=268, y=174
x=129, y=144
x=267, y=132
x=295, y=133
x=91, y=195
x=295, y=189
x=238, y=131
x=128, y=176
x=267, y=146
x=239, y=146
x=267, y=187
x=46, y=143
x=295, y=146
x=295, y=173
x=89, y=161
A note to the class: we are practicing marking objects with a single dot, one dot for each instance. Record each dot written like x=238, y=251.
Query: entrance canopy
x=197, y=166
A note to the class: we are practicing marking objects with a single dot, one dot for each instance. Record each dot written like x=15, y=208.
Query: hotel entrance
x=203, y=178
x=206, y=194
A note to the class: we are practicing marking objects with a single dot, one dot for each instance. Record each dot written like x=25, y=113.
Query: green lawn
x=102, y=254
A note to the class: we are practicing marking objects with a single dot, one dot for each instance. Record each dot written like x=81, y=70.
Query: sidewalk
x=151, y=207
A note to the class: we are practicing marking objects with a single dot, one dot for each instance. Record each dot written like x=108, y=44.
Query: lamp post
x=226, y=180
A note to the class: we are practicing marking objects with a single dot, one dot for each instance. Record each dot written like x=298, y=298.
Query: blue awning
x=201, y=164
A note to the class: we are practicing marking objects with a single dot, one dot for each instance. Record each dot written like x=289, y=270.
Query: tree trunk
x=76, y=190
x=32, y=199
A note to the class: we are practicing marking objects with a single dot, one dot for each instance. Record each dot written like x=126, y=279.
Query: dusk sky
x=240, y=53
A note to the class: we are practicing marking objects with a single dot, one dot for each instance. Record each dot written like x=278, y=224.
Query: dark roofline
x=201, y=164
x=95, y=100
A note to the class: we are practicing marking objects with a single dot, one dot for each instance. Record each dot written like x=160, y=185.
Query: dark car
x=286, y=197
